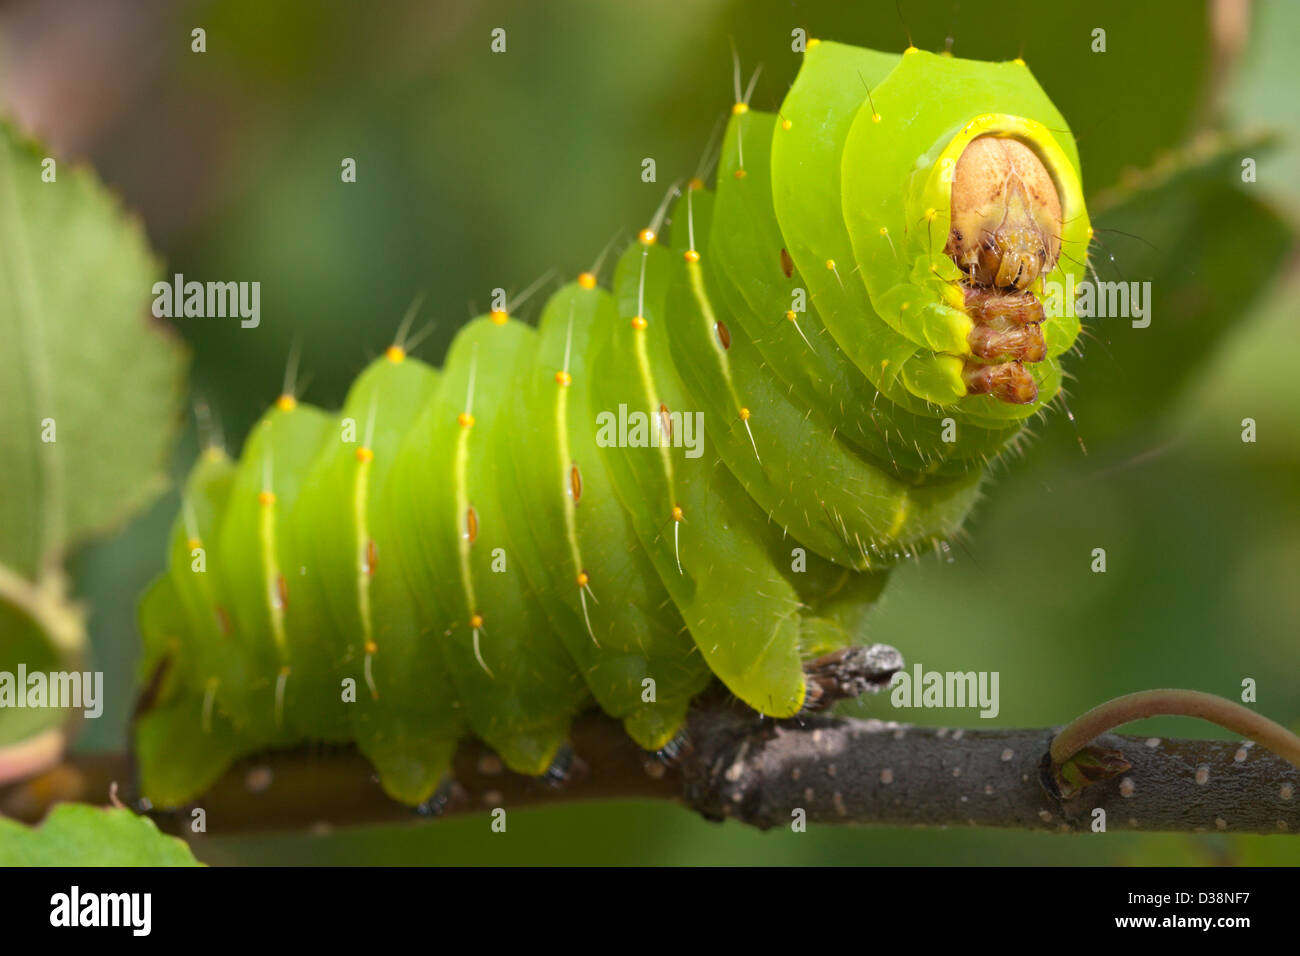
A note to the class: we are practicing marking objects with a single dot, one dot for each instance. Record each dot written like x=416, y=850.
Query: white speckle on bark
x=1153, y=742
x=1202, y=774
x=489, y=765
x=1221, y=823
x=1286, y=792
x=886, y=776
x=1127, y=787
x=1007, y=755
x=1044, y=816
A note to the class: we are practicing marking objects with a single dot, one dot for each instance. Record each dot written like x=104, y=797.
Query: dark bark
x=740, y=766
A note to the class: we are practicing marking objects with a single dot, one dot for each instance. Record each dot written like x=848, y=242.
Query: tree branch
x=868, y=771
x=738, y=765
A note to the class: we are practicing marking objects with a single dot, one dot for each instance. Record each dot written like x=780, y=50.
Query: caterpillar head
x=1006, y=214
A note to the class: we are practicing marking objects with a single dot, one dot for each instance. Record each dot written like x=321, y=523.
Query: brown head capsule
x=1006, y=214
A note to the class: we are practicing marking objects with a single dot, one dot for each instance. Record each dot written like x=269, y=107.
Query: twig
x=743, y=767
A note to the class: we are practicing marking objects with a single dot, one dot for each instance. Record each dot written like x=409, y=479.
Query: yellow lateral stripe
x=570, y=506
x=271, y=566
x=648, y=384
x=360, y=491
x=696, y=273
x=462, y=506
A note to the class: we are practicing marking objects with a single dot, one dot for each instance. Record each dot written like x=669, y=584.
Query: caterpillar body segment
x=579, y=548
x=705, y=470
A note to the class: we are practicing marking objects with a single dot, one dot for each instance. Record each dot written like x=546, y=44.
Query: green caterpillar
x=855, y=313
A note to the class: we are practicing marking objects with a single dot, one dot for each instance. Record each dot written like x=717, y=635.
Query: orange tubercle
x=587, y=280
x=563, y=378
x=690, y=255
x=582, y=579
x=365, y=454
x=476, y=621
x=465, y=420
x=638, y=322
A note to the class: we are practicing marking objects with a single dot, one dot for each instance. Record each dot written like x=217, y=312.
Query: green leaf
x=77, y=834
x=83, y=364
x=82, y=350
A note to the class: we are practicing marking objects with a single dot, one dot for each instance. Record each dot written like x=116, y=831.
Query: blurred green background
x=478, y=170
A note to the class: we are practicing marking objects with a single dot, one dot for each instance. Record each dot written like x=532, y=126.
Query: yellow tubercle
x=266, y=498
x=639, y=323
x=476, y=621
x=563, y=378
x=365, y=454
x=286, y=403
x=587, y=280
x=499, y=316
x=582, y=579
x=690, y=255
x=465, y=420
x=193, y=543
x=744, y=414
x=395, y=354
x=677, y=513
x=739, y=109
x=647, y=237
